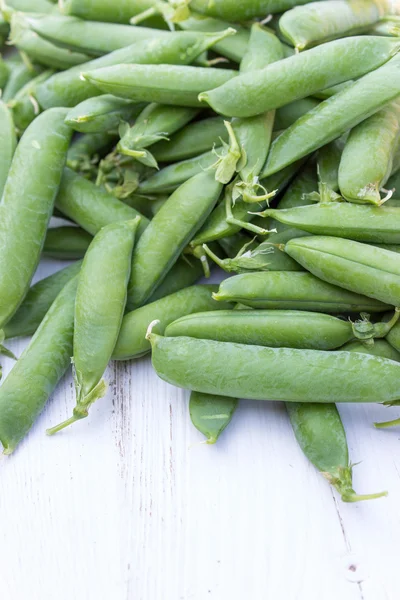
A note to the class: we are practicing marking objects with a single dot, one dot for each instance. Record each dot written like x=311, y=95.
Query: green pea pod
x=20, y=74
x=277, y=328
x=356, y=267
x=99, y=309
x=318, y=22
x=286, y=374
x=4, y=72
x=156, y=122
x=328, y=161
x=8, y=145
x=70, y=87
x=32, y=380
x=101, y=114
x=93, y=38
x=185, y=272
x=66, y=243
x=40, y=50
x=171, y=177
x=211, y=414
x=38, y=301
x=104, y=10
x=336, y=115
x=378, y=225
x=161, y=244
x=132, y=341
x=242, y=11
x=85, y=150
x=319, y=431
x=227, y=220
x=294, y=291
x=157, y=82
x=27, y=205
x=24, y=106
x=367, y=157
x=233, y=48
x=191, y=141
x=334, y=89
x=288, y=114
x=300, y=75
x=90, y=206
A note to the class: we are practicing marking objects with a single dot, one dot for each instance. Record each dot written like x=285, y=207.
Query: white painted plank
x=129, y=505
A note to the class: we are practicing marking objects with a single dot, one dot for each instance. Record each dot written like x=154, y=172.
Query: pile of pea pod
x=260, y=138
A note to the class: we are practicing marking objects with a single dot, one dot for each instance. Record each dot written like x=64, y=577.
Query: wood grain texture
x=129, y=505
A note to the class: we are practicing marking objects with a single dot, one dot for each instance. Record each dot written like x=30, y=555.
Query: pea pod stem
x=342, y=482
x=387, y=424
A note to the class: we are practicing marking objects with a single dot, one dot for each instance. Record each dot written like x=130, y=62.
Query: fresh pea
x=40, y=50
x=160, y=245
x=336, y=115
x=172, y=176
x=300, y=75
x=38, y=301
x=233, y=48
x=192, y=140
x=356, y=267
x=101, y=114
x=32, y=380
x=288, y=114
x=70, y=87
x=93, y=38
x=24, y=107
x=157, y=82
x=294, y=291
x=318, y=22
x=27, y=205
x=342, y=219
x=132, y=341
x=277, y=328
x=367, y=157
x=319, y=431
x=155, y=122
x=91, y=207
x=99, y=309
x=286, y=374
x=8, y=145
x=211, y=414
x=66, y=243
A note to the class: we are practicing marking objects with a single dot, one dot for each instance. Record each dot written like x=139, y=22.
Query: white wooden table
x=129, y=505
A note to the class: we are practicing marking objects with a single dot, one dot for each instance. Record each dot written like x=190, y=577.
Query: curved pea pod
x=71, y=87
x=66, y=243
x=277, y=328
x=157, y=82
x=233, y=48
x=172, y=176
x=191, y=141
x=93, y=38
x=101, y=113
x=155, y=122
x=268, y=373
x=38, y=301
x=32, y=380
x=367, y=157
x=24, y=106
x=318, y=22
x=99, y=309
x=336, y=115
x=356, y=267
x=294, y=291
x=27, y=205
x=241, y=11
x=132, y=341
x=8, y=143
x=40, y=50
x=378, y=225
x=90, y=206
x=104, y=10
x=300, y=75
x=211, y=414
x=319, y=431
x=20, y=74
x=162, y=243
x=288, y=114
